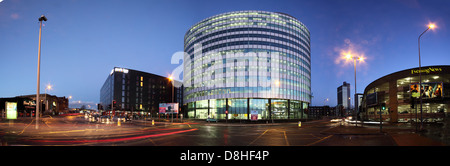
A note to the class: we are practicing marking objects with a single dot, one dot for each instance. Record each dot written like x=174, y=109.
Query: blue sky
x=84, y=39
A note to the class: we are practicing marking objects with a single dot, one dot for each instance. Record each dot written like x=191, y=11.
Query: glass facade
x=238, y=61
x=399, y=92
x=262, y=106
x=241, y=109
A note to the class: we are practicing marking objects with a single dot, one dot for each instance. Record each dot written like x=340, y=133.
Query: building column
x=226, y=108
x=289, y=109
x=301, y=109
x=393, y=102
x=195, y=110
x=248, y=108
x=270, y=108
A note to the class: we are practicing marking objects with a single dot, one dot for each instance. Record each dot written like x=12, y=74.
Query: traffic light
x=383, y=106
x=114, y=104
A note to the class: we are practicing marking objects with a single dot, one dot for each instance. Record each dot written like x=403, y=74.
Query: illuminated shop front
x=401, y=95
x=247, y=65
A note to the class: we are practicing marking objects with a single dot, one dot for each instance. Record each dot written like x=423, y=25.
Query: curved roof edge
x=444, y=69
x=241, y=11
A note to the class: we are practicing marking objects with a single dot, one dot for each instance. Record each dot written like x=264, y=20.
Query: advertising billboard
x=11, y=110
x=428, y=90
x=168, y=108
x=254, y=115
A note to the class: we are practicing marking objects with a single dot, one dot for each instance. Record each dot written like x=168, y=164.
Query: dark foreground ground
x=78, y=131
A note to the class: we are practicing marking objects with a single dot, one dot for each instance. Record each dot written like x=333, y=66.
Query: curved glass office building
x=247, y=65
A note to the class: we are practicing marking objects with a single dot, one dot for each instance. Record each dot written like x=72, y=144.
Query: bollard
x=299, y=123
x=153, y=122
x=118, y=122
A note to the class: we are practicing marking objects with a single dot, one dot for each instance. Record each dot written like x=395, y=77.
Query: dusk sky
x=83, y=40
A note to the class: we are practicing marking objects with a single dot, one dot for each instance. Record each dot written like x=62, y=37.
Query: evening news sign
x=426, y=70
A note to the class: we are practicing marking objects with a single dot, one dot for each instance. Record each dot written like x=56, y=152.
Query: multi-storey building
x=343, y=96
x=137, y=91
x=247, y=65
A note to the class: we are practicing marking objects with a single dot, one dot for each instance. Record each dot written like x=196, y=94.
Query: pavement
x=401, y=136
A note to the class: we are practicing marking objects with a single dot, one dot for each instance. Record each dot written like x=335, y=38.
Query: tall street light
x=360, y=59
x=49, y=87
x=68, y=101
x=42, y=18
x=171, y=80
x=430, y=26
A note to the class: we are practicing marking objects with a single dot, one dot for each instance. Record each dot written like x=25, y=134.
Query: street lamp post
x=49, y=87
x=361, y=59
x=355, y=98
x=42, y=18
x=172, y=81
x=431, y=26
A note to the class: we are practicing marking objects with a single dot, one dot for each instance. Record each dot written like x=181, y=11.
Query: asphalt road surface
x=78, y=131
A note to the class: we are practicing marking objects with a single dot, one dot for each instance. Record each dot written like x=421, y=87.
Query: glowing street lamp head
x=348, y=56
x=361, y=59
x=49, y=87
x=431, y=26
x=170, y=78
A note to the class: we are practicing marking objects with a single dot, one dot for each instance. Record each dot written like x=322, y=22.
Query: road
x=77, y=131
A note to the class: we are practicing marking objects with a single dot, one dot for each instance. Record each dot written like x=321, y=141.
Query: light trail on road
x=109, y=140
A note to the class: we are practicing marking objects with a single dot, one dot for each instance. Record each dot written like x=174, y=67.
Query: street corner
x=414, y=139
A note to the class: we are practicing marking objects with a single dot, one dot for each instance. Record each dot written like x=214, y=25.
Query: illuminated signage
x=168, y=108
x=426, y=70
x=428, y=90
x=11, y=110
x=253, y=115
x=122, y=70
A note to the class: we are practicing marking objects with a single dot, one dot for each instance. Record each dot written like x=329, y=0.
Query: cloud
x=353, y=49
x=14, y=16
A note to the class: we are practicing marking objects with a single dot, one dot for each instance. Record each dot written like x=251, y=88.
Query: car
x=117, y=118
x=336, y=120
x=211, y=120
x=105, y=119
